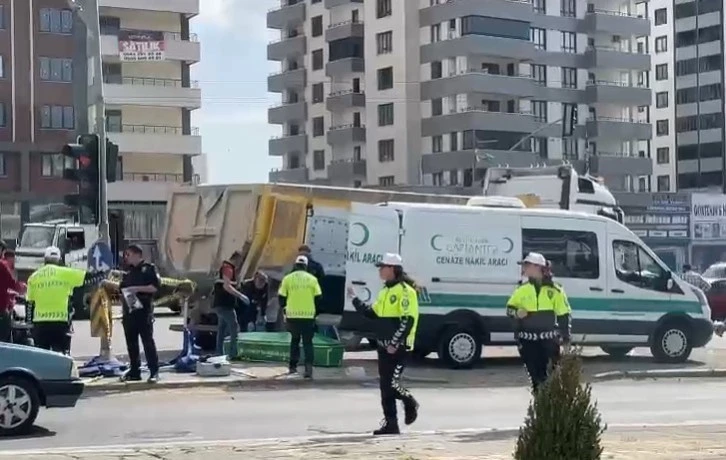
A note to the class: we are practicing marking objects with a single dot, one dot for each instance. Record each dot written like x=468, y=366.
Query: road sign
x=100, y=257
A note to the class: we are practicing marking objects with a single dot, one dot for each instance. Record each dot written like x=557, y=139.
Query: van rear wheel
x=671, y=343
x=616, y=351
x=460, y=347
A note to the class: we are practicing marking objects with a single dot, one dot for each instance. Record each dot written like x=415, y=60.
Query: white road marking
x=169, y=443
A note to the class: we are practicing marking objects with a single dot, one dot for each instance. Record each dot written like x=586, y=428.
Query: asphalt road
x=214, y=415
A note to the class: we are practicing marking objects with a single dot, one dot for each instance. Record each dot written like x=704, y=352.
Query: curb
x=659, y=374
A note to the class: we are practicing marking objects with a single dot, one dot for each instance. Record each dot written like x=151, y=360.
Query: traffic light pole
x=88, y=12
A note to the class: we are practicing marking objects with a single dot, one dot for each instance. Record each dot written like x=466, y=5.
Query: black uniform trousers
x=390, y=370
x=539, y=355
x=52, y=335
x=301, y=330
x=6, y=326
x=140, y=325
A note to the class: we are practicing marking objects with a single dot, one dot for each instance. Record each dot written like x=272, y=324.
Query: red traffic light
x=84, y=161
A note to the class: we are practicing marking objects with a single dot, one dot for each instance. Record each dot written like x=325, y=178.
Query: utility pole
x=88, y=12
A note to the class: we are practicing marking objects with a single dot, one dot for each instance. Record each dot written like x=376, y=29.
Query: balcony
x=288, y=79
x=618, y=128
x=278, y=146
x=478, y=118
x=280, y=114
x=176, y=48
x=345, y=66
x=333, y=3
x=478, y=45
x=344, y=172
x=145, y=187
x=148, y=91
x=466, y=159
x=518, y=10
x=343, y=30
x=286, y=15
x=289, y=176
x=341, y=100
x=609, y=92
x=617, y=23
x=619, y=163
x=156, y=139
x=602, y=57
x=346, y=134
x=478, y=81
x=188, y=7
x=280, y=50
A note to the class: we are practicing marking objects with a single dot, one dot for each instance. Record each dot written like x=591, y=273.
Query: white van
x=465, y=259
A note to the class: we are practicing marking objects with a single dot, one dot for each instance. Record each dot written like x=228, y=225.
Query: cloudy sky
x=233, y=77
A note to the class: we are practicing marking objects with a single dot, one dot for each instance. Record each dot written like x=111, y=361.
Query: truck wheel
x=671, y=343
x=19, y=405
x=616, y=351
x=460, y=347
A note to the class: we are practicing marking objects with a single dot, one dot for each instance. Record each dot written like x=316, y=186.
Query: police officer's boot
x=308, y=371
x=388, y=426
x=410, y=406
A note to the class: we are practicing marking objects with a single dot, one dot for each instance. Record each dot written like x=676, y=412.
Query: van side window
x=76, y=240
x=573, y=254
x=635, y=266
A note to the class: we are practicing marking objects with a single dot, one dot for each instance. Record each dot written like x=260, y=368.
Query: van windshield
x=36, y=237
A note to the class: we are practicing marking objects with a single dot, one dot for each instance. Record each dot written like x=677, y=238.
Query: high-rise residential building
x=688, y=79
x=432, y=92
x=148, y=50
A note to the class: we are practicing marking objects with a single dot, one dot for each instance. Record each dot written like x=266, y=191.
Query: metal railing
x=158, y=177
x=617, y=120
x=620, y=84
x=149, y=81
x=345, y=92
x=150, y=129
x=346, y=126
x=286, y=136
x=175, y=36
x=285, y=4
x=613, y=13
x=344, y=23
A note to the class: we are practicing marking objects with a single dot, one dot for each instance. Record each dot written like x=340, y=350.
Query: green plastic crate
x=275, y=347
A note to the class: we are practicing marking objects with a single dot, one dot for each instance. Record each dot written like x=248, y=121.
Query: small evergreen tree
x=563, y=423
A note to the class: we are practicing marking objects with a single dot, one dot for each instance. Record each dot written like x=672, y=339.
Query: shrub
x=563, y=423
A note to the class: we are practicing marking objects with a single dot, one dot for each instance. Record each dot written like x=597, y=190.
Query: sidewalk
x=677, y=443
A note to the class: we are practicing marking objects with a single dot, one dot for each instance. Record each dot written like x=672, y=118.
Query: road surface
x=211, y=415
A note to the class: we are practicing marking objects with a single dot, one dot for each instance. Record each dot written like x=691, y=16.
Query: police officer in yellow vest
x=49, y=289
x=395, y=313
x=300, y=296
x=542, y=318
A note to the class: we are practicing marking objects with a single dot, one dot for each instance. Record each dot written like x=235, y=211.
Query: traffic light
x=85, y=171
x=111, y=161
x=569, y=119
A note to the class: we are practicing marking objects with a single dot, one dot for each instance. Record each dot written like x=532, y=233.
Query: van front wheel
x=616, y=351
x=672, y=343
x=460, y=347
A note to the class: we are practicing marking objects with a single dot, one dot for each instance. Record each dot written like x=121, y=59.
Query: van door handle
x=595, y=288
x=617, y=291
x=358, y=283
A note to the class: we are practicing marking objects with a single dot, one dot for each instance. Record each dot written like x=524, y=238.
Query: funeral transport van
x=465, y=260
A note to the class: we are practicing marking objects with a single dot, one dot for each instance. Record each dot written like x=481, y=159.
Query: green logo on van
x=364, y=236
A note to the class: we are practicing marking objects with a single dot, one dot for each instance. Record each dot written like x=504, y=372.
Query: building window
x=661, y=72
x=569, y=42
x=437, y=107
x=316, y=25
x=436, y=70
x=53, y=164
x=385, y=150
x=2, y=66
x=385, y=78
x=437, y=144
x=318, y=95
x=57, y=117
x=387, y=181
x=56, y=21
x=661, y=100
x=568, y=8
x=2, y=16
x=663, y=155
x=538, y=37
x=642, y=184
x=569, y=77
x=661, y=128
x=385, y=114
x=383, y=8
x=539, y=110
x=318, y=126
x=3, y=115
x=539, y=74
x=384, y=42
x=56, y=69
x=661, y=16
x=540, y=6
x=317, y=59
x=573, y=253
x=318, y=160
x=454, y=142
x=3, y=164
x=570, y=148
x=664, y=183
x=661, y=44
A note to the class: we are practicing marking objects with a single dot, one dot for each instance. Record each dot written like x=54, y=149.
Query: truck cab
x=71, y=238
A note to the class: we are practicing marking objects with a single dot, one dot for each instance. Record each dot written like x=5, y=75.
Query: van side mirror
x=670, y=283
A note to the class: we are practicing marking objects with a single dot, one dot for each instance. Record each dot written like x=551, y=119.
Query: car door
x=373, y=230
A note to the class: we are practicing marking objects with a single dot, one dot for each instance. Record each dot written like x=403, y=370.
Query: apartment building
x=147, y=52
x=433, y=91
x=688, y=110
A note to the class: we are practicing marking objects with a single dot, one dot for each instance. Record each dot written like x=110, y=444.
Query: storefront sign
x=141, y=45
x=664, y=216
x=708, y=217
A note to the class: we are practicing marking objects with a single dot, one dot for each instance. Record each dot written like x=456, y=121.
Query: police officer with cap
x=300, y=295
x=49, y=290
x=541, y=313
x=395, y=314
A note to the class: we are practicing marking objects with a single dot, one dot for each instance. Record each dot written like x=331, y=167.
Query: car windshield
x=36, y=237
x=715, y=272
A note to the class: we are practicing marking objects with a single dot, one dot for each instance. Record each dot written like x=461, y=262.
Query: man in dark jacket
x=256, y=289
x=314, y=268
